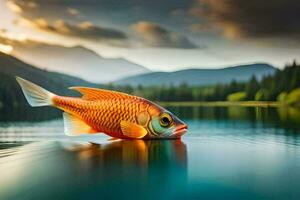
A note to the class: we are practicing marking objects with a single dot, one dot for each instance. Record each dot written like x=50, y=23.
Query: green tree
x=251, y=88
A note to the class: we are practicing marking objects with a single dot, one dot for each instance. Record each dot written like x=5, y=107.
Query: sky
x=162, y=35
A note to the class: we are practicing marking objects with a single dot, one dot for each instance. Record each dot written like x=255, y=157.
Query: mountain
x=76, y=61
x=199, y=77
x=12, y=101
x=11, y=67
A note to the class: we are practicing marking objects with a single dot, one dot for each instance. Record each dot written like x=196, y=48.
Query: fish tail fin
x=34, y=94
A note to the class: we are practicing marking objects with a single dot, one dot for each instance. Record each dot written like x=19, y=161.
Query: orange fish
x=116, y=114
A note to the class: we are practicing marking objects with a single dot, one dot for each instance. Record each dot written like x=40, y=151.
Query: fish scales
x=103, y=115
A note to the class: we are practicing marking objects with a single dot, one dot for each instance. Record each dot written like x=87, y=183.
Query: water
x=228, y=153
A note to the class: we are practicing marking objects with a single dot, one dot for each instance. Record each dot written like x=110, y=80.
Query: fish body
x=116, y=114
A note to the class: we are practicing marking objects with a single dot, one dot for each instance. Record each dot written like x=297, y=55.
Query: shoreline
x=224, y=103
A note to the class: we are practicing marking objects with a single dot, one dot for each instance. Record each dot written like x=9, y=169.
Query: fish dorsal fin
x=75, y=126
x=133, y=130
x=97, y=94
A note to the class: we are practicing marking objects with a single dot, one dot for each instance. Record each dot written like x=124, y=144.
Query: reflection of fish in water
x=133, y=169
x=137, y=152
x=117, y=114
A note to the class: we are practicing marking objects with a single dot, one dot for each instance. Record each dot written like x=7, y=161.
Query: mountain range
x=13, y=105
x=12, y=100
x=75, y=60
x=200, y=77
x=86, y=64
x=196, y=77
x=53, y=81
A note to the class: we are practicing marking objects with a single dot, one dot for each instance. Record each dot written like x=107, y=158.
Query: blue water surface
x=228, y=153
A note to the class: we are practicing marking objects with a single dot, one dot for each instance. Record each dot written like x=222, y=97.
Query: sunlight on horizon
x=7, y=49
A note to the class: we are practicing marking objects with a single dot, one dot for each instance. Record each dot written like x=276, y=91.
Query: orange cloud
x=86, y=25
x=84, y=30
x=7, y=49
x=31, y=14
x=154, y=35
x=14, y=7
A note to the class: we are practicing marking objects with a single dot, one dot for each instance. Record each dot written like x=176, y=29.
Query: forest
x=283, y=85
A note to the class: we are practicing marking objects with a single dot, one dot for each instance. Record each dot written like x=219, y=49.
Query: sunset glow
x=7, y=49
x=150, y=35
x=14, y=7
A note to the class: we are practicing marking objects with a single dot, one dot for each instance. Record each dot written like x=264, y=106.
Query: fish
x=116, y=114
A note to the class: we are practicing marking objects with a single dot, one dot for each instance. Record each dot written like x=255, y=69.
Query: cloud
x=15, y=41
x=156, y=36
x=85, y=29
x=251, y=19
x=73, y=11
x=14, y=7
x=74, y=18
x=37, y=15
x=177, y=13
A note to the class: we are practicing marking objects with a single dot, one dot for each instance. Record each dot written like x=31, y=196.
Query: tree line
x=278, y=86
x=273, y=87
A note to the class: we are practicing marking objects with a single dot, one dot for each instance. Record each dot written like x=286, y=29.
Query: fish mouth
x=180, y=130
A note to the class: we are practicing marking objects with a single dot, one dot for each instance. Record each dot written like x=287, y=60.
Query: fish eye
x=166, y=120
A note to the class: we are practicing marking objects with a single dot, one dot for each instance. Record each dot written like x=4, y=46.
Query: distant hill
x=11, y=67
x=198, y=77
x=76, y=61
x=12, y=101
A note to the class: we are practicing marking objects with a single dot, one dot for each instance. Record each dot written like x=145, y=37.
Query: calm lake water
x=228, y=153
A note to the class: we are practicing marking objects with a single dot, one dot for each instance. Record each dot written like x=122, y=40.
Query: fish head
x=164, y=124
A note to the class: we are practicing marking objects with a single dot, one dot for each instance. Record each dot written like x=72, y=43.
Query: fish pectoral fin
x=75, y=126
x=133, y=130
